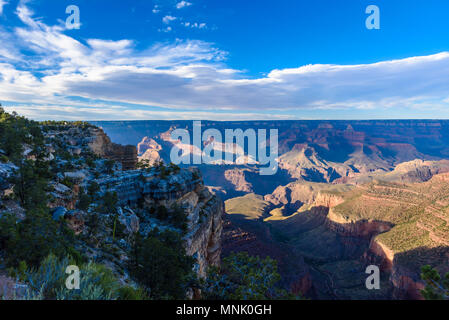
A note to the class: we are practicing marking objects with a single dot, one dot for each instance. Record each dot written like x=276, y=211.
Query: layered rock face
x=203, y=240
x=398, y=226
x=102, y=146
x=138, y=192
x=396, y=220
x=237, y=178
x=185, y=190
x=77, y=140
x=148, y=149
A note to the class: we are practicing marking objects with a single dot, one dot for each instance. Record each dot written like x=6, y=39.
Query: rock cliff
x=102, y=146
x=185, y=190
x=106, y=203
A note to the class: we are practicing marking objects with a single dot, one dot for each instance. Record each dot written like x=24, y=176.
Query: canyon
x=347, y=194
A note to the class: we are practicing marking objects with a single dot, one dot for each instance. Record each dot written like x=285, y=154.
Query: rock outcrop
x=148, y=150
x=102, y=146
x=237, y=178
x=185, y=190
x=6, y=171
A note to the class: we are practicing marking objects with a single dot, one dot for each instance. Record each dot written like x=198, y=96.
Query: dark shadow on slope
x=407, y=269
x=334, y=252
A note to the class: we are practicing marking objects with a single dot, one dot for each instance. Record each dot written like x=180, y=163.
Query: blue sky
x=233, y=59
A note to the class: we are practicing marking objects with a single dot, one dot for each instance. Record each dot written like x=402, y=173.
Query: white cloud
x=156, y=9
x=97, y=113
x=192, y=77
x=204, y=85
x=194, y=25
x=2, y=3
x=183, y=4
x=168, y=19
x=167, y=29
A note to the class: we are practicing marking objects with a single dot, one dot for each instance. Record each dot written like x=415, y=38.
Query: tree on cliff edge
x=437, y=287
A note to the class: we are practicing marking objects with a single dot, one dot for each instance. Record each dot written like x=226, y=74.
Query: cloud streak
x=2, y=3
x=183, y=4
x=192, y=75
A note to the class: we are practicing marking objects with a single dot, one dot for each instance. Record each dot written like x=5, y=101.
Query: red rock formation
x=237, y=178
x=102, y=146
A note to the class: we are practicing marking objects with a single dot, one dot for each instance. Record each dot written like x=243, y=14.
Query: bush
x=130, y=293
x=96, y=281
x=174, y=168
x=243, y=277
x=109, y=202
x=109, y=166
x=93, y=189
x=84, y=202
x=178, y=218
x=437, y=287
x=160, y=263
x=15, y=131
x=35, y=238
x=175, y=216
x=30, y=184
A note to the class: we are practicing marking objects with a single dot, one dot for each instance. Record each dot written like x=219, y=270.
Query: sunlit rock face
x=101, y=145
x=148, y=150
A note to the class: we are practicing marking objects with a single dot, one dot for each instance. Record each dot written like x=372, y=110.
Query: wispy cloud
x=99, y=112
x=194, y=25
x=42, y=69
x=156, y=9
x=183, y=4
x=167, y=19
x=2, y=3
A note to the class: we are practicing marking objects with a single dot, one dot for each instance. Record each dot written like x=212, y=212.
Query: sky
x=224, y=60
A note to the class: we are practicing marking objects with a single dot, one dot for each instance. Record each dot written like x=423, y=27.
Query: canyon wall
x=138, y=191
x=102, y=146
x=185, y=190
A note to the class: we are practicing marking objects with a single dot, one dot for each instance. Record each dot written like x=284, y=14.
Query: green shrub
x=67, y=182
x=130, y=293
x=178, y=218
x=15, y=131
x=96, y=281
x=30, y=184
x=35, y=238
x=84, y=202
x=109, y=202
x=175, y=216
x=244, y=277
x=109, y=166
x=160, y=264
x=437, y=287
x=93, y=189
